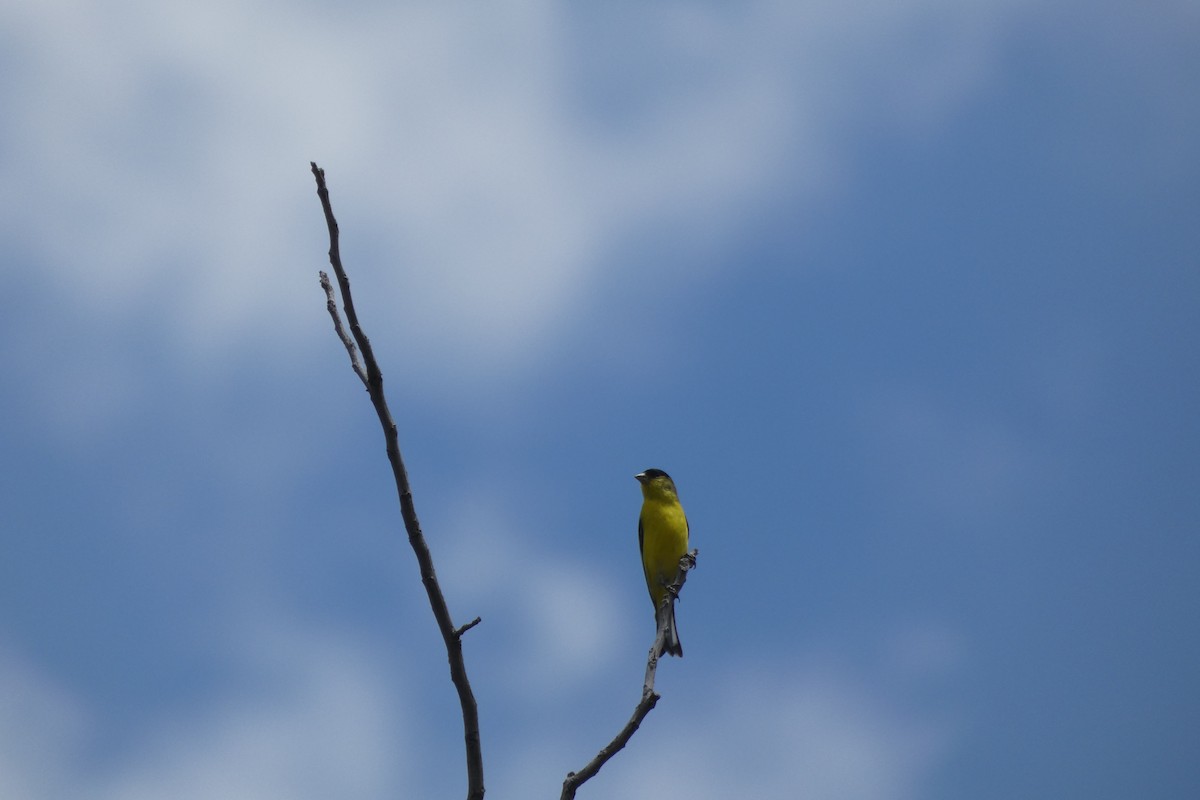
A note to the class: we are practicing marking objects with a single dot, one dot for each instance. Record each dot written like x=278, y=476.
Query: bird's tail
x=671, y=642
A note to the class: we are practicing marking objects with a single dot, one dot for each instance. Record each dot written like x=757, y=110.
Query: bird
x=663, y=540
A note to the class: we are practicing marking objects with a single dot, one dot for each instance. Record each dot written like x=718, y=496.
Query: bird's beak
x=641, y=477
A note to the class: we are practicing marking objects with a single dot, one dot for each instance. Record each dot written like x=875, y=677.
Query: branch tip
x=458, y=632
x=368, y=371
x=649, y=699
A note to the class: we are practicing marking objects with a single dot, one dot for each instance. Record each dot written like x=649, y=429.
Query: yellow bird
x=663, y=539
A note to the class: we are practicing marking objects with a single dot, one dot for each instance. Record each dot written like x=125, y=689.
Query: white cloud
x=320, y=725
x=815, y=731
x=160, y=151
x=563, y=615
x=316, y=719
x=961, y=464
x=919, y=649
x=39, y=726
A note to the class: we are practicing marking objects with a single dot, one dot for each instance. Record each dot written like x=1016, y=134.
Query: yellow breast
x=664, y=542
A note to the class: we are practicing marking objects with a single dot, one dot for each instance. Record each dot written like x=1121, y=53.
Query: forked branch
x=368, y=372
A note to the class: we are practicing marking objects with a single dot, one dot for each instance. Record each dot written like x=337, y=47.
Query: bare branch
x=373, y=379
x=331, y=306
x=459, y=631
x=576, y=779
x=649, y=697
x=686, y=564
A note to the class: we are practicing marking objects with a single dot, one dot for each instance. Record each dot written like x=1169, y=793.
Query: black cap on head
x=651, y=474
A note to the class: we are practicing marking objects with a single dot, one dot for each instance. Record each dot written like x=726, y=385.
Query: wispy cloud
x=162, y=153
x=816, y=731
x=560, y=617
x=960, y=463
x=313, y=718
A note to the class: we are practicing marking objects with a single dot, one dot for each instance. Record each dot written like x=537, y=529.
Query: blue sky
x=904, y=295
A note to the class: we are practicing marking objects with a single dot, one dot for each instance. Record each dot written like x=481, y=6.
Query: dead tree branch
x=368, y=372
x=649, y=697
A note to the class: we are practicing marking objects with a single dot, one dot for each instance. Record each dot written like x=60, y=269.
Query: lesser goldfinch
x=663, y=539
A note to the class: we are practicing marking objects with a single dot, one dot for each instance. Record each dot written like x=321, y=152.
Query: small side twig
x=649, y=697
x=338, y=328
x=459, y=631
x=369, y=373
